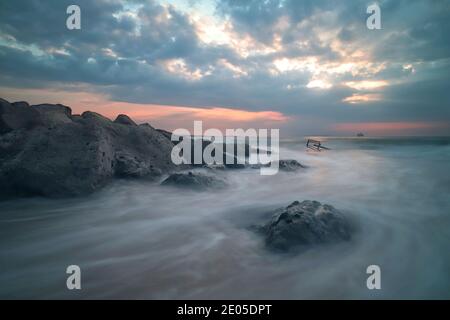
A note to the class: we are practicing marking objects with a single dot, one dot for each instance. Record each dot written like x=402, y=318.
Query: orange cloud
x=161, y=116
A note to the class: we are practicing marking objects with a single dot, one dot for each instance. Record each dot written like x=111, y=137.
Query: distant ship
x=360, y=134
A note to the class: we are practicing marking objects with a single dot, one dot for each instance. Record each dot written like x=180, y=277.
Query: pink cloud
x=161, y=116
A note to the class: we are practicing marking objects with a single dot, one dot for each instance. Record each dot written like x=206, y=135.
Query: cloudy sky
x=304, y=66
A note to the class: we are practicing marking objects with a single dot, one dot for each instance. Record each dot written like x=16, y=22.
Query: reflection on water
x=140, y=240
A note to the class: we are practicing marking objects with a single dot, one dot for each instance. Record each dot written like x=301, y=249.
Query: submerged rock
x=47, y=151
x=195, y=181
x=304, y=224
x=283, y=165
x=290, y=165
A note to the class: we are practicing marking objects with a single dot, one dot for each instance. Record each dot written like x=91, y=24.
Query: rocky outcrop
x=302, y=224
x=45, y=150
x=165, y=133
x=194, y=181
x=290, y=165
x=124, y=119
x=283, y=165
x=229, y=160
x=17, y=116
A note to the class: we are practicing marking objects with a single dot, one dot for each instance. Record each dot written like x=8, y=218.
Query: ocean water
x=136, y=239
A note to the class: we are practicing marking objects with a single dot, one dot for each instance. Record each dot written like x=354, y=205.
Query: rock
x=283, y=165
x=124, y=119
x=165, y=133
x=17, y=116
x=128, y=165
x=52, y=115
x=229, y=160
x=50, y=153
x=146, y=124
x=195, y=181
x=289, y=165
x=302, y=224
x=20, y=104
x=53, y=109
x=95, y=118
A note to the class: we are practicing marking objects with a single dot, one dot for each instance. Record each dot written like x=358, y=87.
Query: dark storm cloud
x=145, y=52
x=104, y=27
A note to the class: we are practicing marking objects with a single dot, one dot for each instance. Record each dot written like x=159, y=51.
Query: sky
x=307, y=67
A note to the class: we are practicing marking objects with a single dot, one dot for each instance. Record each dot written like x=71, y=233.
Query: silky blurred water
x=140, y=240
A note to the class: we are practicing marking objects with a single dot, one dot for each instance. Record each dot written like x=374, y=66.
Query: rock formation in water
x=302, y=224
x=290, y=165
x=283, y=165
x=195, y=181
x=229, y=159
x=47, y=151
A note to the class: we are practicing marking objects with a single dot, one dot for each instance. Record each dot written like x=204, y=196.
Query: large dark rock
x=51, y=115
x=302, y=224
x=45, y=150
x=166, y=133
x=194, y=181
x=124, y=119
x=17, y=116
x=229, y=160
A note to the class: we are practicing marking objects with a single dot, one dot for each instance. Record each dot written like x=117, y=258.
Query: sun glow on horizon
x=164, y=116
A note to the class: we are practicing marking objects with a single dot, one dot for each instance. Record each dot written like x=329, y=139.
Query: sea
x=140, y=240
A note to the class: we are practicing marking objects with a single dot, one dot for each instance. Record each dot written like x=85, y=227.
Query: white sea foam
x=141, y=240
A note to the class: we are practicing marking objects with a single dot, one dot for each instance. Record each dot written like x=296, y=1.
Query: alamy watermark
x=374, y=280
x=73, y=21
x=373, y=22
x=73, y=281
x=235, y=147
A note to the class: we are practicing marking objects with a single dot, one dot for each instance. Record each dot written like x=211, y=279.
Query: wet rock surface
x=194, y=181
x=125, y=120
x=283, y=165
x=304, y=224
x=47, y=151
x=290, y=165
